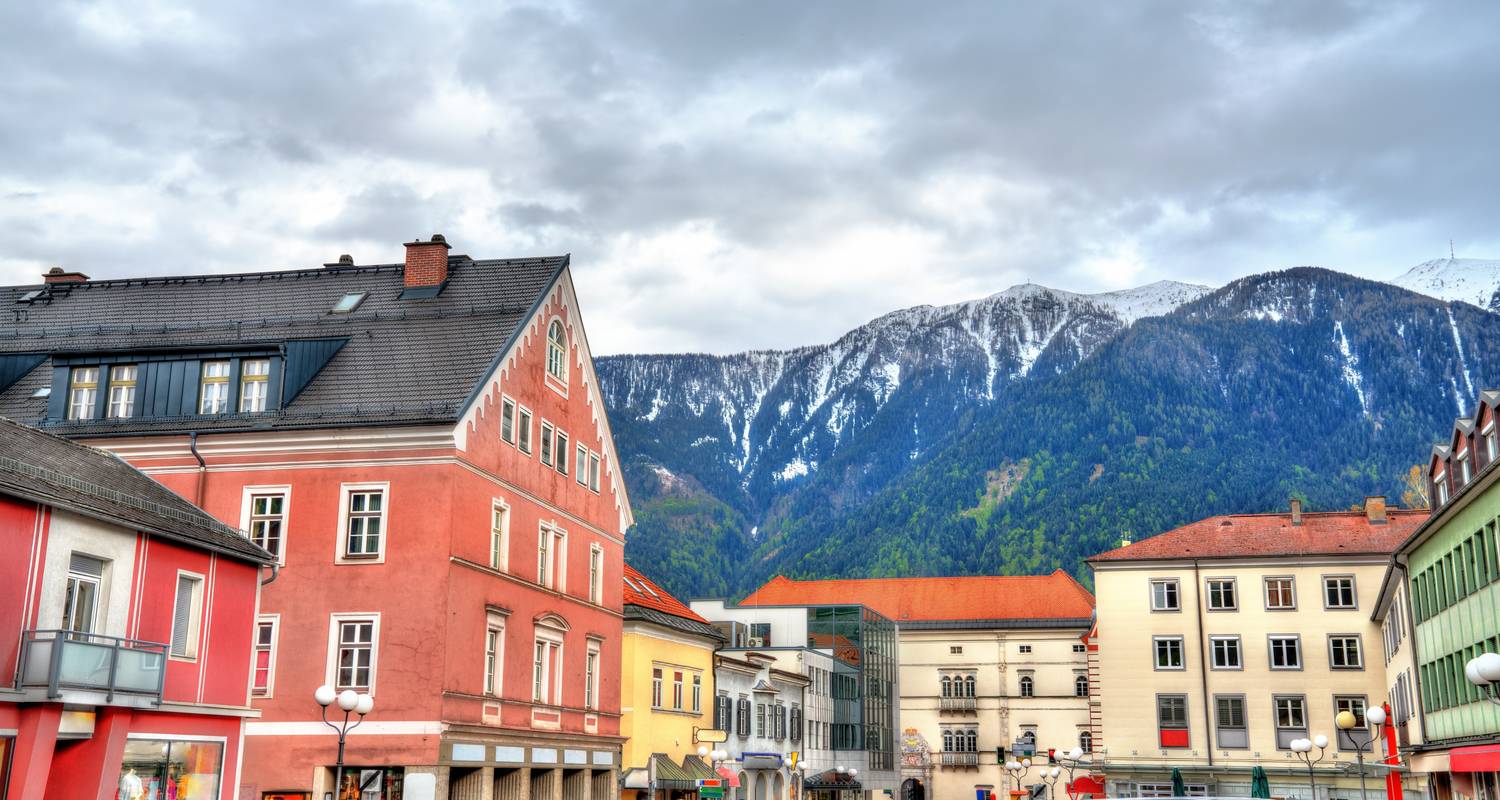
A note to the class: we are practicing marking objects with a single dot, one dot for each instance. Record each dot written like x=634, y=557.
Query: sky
x=730, y=176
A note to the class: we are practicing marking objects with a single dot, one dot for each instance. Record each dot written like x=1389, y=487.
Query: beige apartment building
x=1221, y=642
x=989, y=666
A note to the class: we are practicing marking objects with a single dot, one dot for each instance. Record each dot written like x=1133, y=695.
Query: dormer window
x=1441, y=482
x=83, y=391
x=1491, y=446
x=1464, y=472
x=213, y=390
x=557, y=351
x=122, y=380
x=348, y=302
x=255, y=383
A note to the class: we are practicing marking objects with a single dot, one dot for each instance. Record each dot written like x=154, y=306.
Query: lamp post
x=799, y=777
x=350, y=702
x=1050, y=776
x=1303, y=749
x=1484, y=672
x=1073, y=760
x=1348, y=722
x=1018, y=770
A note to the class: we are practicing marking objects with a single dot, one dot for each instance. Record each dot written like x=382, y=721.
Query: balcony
x=957, y=704
x=959, y=759
x=92, y=668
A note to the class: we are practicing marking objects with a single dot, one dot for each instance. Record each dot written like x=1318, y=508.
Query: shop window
x=170, y=768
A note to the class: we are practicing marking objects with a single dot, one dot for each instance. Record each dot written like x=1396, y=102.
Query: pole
x=1359, y=755
x=338, y=774
x=1311, y=784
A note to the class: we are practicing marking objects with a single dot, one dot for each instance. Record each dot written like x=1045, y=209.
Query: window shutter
x=182, y=615
x=85, y=565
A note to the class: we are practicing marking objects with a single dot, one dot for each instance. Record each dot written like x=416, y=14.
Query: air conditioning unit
x=757, y=641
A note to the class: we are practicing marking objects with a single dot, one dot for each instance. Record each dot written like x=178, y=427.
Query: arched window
x=1027, y=688
x=972, y=743
x=969, y=686
x=557, y=351
x=947, y=741
x=947, y=686
x=1086, y=742
x=1081, y=686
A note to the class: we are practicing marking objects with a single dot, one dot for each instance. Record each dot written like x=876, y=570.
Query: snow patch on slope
x=1350, y=366
x=1466, y=280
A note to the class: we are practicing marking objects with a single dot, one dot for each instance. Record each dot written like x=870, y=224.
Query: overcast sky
x=743, y=175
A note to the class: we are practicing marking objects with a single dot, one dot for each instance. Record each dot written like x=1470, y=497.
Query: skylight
x=348, y=302
x=45, y=391
x=632, y=584
x=30, y=296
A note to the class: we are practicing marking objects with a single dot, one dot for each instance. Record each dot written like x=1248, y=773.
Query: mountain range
x=1025, y=430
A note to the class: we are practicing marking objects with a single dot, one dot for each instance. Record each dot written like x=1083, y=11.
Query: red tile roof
x=1266, y=535
x=660, y=600
x=1055, y=596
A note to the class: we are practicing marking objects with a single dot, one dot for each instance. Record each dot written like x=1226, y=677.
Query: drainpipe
x=275, y=570
x=202, y=467
x=1411, y=628
x=1208, y=724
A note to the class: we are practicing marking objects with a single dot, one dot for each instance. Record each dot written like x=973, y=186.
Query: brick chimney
x=60, y=275
x=1296, y=511
x=426, y=262
x=1375, y=510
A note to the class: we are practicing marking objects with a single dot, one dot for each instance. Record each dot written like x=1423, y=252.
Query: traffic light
x=1051, y=755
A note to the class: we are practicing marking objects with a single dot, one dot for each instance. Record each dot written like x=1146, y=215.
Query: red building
x=125, y=620
x=423, y=448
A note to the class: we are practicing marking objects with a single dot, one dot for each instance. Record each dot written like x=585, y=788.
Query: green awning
x=667, y=775
x=695, y=767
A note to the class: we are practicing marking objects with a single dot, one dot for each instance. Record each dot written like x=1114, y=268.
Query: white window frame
x=346, y=489
x=1296, y=639
x=494, y=663
x=274, y=620
x=249, y=379
x=247, y=496
x=561, y=450
x=1208, y=593
x=561, y=375
x=1265, y=592
x=1156, y=642
x=523, y=431
x=1359, y=652
x=1213, y=652
x=1353, y=593
x=226, y=402
x=500, y=541
x=69, y=617
x=545, y=444
x=330, y=671
x=508, y=415
x=596, y=574
x=551, y=667
x=581, y=471
x=1163, y=584
x=596, y=464
x=592, y=661
x=195, y=616
x=123, y=405
x=89, y=390
x=552, y=557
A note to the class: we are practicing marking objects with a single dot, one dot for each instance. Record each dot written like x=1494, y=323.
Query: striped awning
x=667, y=775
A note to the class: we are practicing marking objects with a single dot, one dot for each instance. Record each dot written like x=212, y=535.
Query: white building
x=761, y=707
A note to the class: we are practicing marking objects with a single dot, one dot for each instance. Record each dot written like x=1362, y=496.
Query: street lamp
x=350, y=702
x=1073, y=760
x=1049, y=776
x=1018, y=770
x=1303, y=749
x=1484, y=671
x=799, y=777
x=1348, y=722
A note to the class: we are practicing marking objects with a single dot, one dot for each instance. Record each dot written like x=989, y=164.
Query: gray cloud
x=752, y=174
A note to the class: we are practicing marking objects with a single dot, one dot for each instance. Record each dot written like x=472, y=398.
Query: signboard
x=710, y=787
x=710, y=735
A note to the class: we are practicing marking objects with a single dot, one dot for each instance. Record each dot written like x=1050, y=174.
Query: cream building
x=986, y=663
x=1221, y=642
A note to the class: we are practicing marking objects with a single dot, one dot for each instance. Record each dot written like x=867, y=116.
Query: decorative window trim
x=494, y=673
x=342, y=539
x=544, y=631
x=194, y=642
x=274, y=620
x=247, y=495
x=596, y=574
x=591, y=658
x=500, y=555
x=556, y=381
x=330, y=671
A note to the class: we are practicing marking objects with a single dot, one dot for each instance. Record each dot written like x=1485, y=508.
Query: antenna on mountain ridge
x=1450, y=250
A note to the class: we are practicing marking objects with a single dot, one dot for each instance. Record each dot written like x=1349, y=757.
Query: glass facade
x=863, y=644
x=170, y=769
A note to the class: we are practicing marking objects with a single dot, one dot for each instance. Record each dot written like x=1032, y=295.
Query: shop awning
x=695, y=767
x=828, y=779
x=1478, y=758
x=667, y=775
x=635, y=778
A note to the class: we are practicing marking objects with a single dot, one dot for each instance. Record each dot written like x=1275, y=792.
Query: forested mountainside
x=1027, y=430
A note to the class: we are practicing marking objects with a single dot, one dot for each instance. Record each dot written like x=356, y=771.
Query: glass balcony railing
x=60, y=660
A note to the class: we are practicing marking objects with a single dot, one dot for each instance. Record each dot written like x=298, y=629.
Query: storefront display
x=170, y=769
x=371, y=783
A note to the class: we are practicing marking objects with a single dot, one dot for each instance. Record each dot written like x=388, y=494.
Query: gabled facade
x=423, y=448
x=125, y=623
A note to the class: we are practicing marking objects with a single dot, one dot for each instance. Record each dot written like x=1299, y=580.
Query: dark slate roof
x=666, y=620
x=406, y=361
x=51, y=470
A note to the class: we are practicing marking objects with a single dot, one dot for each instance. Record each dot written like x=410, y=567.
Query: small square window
x=1286, y=652
x=349, y=302
x=1281, y=594
x=1168, y=652
x=1222, y=594
x=955, y=649
x=1344, y=652
x=1226, y=652
x=1025, y=648
x=1338, y=592
x=1165, y=595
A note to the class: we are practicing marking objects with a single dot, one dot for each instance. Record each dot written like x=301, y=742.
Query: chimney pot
x=426, y=262
x=344, y=260
x=60, y=275
x=1296, y=511
x=1375, y=509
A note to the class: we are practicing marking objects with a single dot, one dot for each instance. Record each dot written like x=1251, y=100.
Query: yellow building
x=667, y=692
x=1222, y=642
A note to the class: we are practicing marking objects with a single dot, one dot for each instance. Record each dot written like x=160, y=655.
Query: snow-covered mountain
x=1468, y=280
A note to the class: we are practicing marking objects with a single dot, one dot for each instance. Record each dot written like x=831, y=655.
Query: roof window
x=31, y=296
x=348, y=302
x=45, y=391
x=632, y=584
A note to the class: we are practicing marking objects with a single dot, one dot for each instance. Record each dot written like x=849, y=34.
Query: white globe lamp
x=1375, y=716
x=325, y=695
x=348, y=699
x=1488, y=666
x=1321, y=741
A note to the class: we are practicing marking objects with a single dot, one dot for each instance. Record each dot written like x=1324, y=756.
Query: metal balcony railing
x=960, y=759
x=60, y=660
x=957, y=704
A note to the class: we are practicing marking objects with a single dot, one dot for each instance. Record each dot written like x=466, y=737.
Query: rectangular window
x=697, y=692
x=591, y=678
x=364, y=522
x=1344, y=652
x=266, y=521
x=523, y=430
x=499, y=535
x=722, y=712
x=1355, y=738
x=213, y=388
x=677, y=690
x=1080, y=648
x=1491, y=445
x=1222, y=594
x=1230, y=730
x=582, y=472
x=546, y=681
x=551, y=565
x=1226, y=652
x=508, y=420
x=122, y=381
x=656, y=687
x=1338, y=592
x=81, y=604
x=186, y=613
x=1172, y=720
x=1281, y=594
x=83, y=392
x=594, y=471
x=494, y=653
x=255, y=384
x=1168, y=652
x=547, y=434
x=760, y=720
x=596, y=575
x=1023, y=649
x=1291, y=719
x=1164, y=595
x=562, y=452
x=742, y=717
x=263, y=658
x=355, y=667
x=1286, y=652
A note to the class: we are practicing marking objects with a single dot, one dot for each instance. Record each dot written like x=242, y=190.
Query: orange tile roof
x=1055, y=596
x=661, y=601
x=1268, y=535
